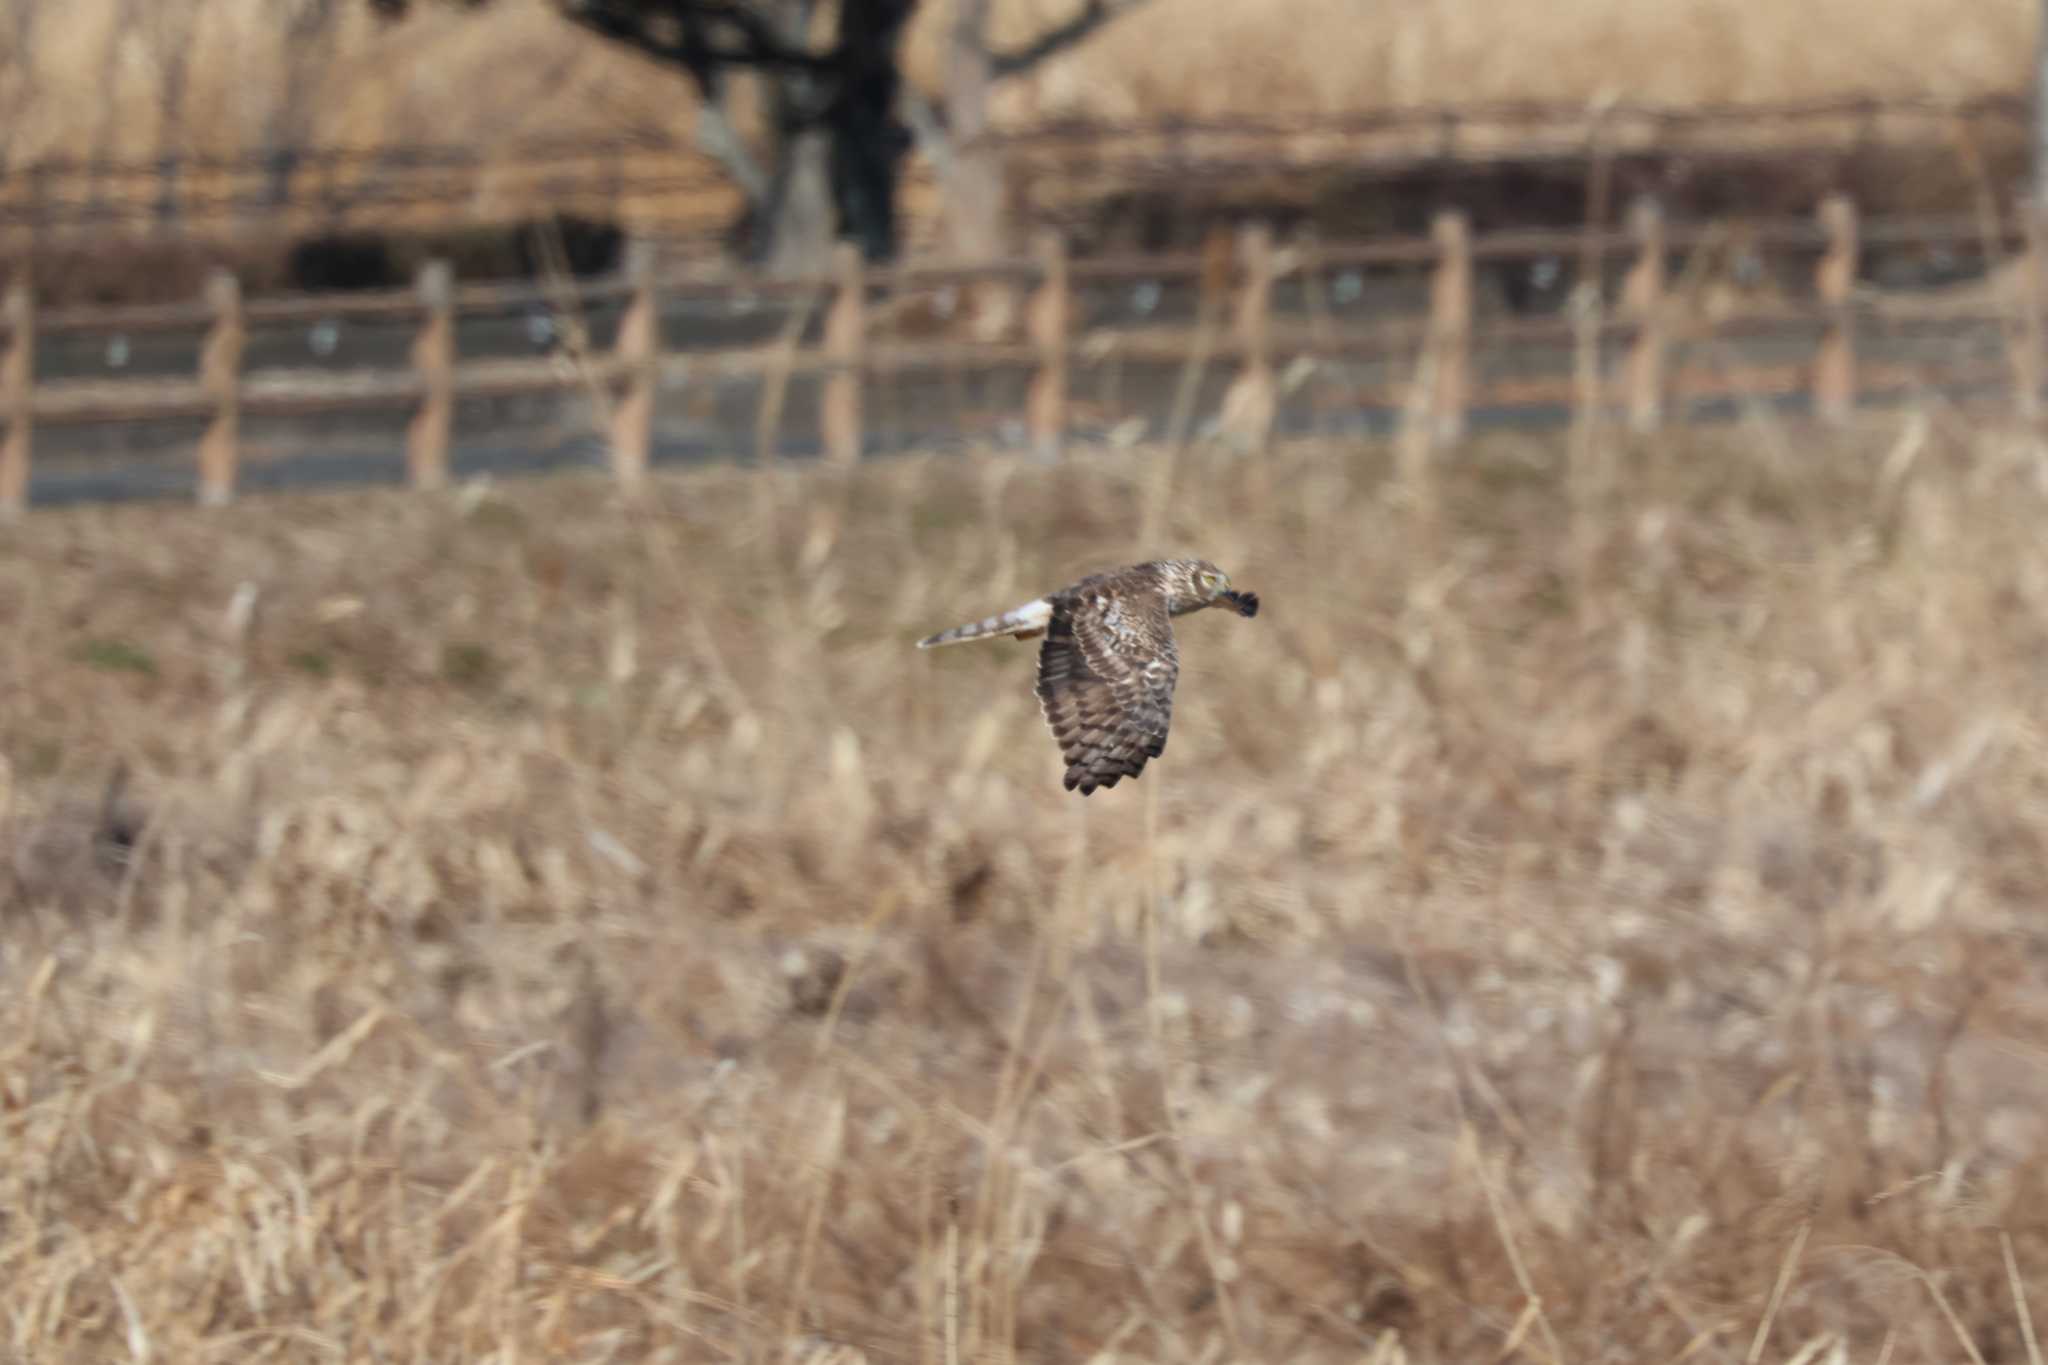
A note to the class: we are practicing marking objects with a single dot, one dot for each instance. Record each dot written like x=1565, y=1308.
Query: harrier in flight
x=1107, y=667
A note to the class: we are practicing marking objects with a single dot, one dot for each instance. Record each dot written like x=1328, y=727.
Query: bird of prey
x=1107, y=667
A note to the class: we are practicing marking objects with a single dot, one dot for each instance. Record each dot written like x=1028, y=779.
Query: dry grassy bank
x=1206, y=58
x=83, y=78
x=92, y=80
x=536, y=931
x=175, y=120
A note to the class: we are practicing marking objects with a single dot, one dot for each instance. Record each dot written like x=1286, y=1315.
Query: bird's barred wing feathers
x=1105, y=682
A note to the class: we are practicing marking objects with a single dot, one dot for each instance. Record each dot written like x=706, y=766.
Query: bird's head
x=1196, y=583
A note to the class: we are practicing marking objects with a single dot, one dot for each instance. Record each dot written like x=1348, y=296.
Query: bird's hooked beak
x=1243, y=603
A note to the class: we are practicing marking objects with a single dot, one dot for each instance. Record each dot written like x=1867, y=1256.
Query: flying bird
x=1107, y=667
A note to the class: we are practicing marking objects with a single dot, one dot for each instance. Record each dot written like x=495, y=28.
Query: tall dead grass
x=539, y=929
x=1332, y=57
x=226, y=77
x=174, y=83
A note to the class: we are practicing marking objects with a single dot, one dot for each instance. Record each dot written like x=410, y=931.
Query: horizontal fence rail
x=1536, y=124
x=1632, y=337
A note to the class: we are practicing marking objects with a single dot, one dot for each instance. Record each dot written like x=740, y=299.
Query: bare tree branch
x=719, y=140
x=682, y=32
x=1057, y=39
x=837, y=106
x=926, y=125
x=2039, y=149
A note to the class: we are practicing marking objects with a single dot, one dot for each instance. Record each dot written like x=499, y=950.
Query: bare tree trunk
x=17, y=72
x=2040, y=138
x=107, y=129
x=171, y=36
x=835, y=150
x=980, y=215
x=794, y=225
x=868, y=139
x=288, y=123
x=974, y=220
x=977, y=220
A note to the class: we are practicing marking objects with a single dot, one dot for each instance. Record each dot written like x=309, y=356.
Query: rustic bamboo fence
x=856, y=345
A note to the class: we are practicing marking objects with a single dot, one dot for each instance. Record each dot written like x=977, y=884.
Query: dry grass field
x=536, y=929
x=101, y=81
x=221, y=77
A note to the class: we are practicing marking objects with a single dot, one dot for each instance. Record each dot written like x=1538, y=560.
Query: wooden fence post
x=1248, y=407
x=17, y=394
x=1642, y=302
x=433, y=356
x=1450, y=326
x=2027, y=339
x=220, y=375
x=1049, y=321
x=1834, y=367
x=637, y=350
x=845, y=326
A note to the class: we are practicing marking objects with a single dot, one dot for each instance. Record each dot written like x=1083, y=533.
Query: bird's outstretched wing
x=1105, y=681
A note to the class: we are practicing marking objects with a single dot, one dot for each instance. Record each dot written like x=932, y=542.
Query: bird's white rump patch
x=1033, y=615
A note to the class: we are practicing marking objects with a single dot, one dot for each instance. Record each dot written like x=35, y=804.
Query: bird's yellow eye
x=1211, y=582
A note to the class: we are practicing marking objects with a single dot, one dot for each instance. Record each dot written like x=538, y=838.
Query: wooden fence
x=658, y=185
x=1641, y=331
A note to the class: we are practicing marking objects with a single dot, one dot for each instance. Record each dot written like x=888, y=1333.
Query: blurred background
x=333, y=151
x=485, y=875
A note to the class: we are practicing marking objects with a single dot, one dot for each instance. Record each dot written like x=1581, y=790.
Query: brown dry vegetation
x=101, y=79
x=537, y=928
x=1333, y=57
x=89, y=78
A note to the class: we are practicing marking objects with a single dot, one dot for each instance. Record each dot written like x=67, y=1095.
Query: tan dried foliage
x=102, y=79
x=540, y=928
x=98, y=70
x=1333, y=57
x=521, y=70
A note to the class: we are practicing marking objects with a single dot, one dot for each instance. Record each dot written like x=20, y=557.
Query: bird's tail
x=1022, y=622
